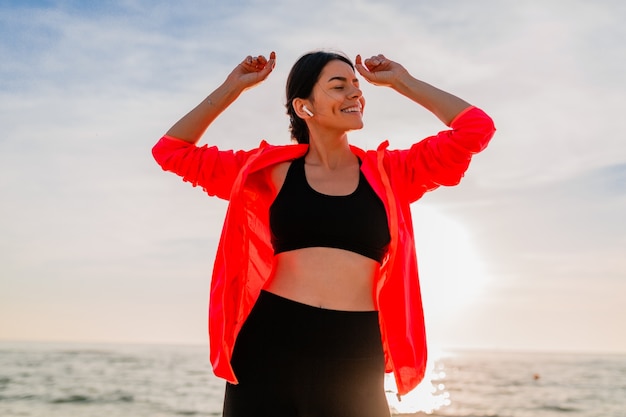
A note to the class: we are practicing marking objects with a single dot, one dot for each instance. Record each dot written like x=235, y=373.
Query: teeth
x=351, y=110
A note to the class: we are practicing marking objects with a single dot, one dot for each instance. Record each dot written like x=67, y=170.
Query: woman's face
x=337, y=100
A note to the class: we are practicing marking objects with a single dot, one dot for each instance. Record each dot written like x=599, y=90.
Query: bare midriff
x=328, y=278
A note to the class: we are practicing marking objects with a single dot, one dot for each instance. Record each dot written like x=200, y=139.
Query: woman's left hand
x=379, y=70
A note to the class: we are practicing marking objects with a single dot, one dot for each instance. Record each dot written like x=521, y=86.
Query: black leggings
x=296, y=360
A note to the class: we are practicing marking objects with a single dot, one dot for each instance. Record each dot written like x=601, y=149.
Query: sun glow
x=452, y=274
x=429, y=396
x=451, y=278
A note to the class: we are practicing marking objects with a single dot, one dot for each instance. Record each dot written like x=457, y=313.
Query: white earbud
x=307, y=111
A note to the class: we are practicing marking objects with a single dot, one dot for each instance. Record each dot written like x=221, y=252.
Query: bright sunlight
x=451, y=277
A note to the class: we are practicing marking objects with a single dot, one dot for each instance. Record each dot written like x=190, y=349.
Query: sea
x=107, y=380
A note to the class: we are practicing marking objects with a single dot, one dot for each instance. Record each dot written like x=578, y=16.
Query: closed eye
x=355, y=81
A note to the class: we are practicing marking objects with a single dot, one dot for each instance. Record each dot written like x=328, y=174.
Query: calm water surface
x=64, y=380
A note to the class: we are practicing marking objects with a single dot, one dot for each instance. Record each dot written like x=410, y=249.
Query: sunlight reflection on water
x=429, y=396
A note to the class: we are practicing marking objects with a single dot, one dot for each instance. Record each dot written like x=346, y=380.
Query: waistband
x=297, y=327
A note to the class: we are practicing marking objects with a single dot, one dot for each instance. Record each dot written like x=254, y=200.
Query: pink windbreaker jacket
x=244, y=256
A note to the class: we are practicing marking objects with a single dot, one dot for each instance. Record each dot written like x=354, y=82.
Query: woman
x=315, y=291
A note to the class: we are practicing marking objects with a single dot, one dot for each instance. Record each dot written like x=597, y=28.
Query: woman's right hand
x=252, y=71
x=249, y=73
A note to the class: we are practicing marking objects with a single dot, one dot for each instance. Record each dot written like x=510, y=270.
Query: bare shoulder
x=277, y=175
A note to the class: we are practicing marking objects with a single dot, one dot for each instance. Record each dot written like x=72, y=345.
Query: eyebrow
x=344, y=79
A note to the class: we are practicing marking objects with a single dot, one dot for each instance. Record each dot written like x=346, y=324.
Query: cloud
x=87, y=88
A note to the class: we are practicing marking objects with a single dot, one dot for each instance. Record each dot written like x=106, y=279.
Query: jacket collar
x=272, y=154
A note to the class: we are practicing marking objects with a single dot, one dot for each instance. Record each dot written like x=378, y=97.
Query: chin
x=356, y=126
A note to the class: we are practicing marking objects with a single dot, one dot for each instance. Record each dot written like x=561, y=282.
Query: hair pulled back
x=302, y=78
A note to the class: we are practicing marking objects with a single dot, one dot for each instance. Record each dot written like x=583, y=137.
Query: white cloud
x=85, y=93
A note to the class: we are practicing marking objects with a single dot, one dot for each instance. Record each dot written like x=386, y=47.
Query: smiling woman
x=315, y=291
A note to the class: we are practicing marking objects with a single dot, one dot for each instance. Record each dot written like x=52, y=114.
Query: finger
x=358, y=64
x=247, y=62
x=376, y=61
x=254, y=63
x=260, y=61
x=272, y=61
x=268, y=65
x=371, y=63
x=364, y=71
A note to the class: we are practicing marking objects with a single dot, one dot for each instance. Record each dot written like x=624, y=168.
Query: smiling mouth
x=353, y=109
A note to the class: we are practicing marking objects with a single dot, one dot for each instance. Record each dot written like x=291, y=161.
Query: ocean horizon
x=63, y=379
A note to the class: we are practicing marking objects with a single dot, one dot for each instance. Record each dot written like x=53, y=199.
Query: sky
x=98, y=244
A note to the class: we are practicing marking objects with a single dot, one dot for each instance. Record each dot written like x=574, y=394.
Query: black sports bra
x=301, y=217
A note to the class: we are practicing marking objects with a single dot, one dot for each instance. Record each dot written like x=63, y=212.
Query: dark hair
x=302, y=78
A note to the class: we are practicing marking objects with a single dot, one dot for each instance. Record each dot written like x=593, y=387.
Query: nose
x=355, y=92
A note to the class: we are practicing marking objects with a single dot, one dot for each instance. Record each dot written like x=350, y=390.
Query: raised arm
x=379, y=70
x=250, y=72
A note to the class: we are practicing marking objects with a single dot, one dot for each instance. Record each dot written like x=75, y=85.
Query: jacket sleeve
x=206, y=166
x=441, y=159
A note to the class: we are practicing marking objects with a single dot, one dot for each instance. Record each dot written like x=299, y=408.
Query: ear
x=299, y=105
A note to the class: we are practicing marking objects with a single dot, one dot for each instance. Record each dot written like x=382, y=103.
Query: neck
x=329, y=151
